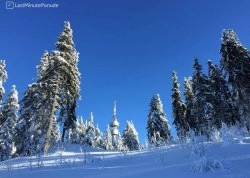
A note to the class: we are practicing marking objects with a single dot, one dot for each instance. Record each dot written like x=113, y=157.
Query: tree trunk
x=48, y=135
x=63, y=132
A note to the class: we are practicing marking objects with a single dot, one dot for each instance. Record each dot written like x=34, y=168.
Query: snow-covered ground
x=168, y=161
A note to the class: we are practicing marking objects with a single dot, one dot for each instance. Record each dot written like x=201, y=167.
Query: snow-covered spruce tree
x=222, y=110
x=90, y=131
x=201, y=109
x=98, y=139
x=157, y=122
x=3, y=77
x=107, y=141
x=82, y=130
x=78, y=132
x=130, y=137
x=189, y=96
x=37, y=127
x=43, y=66
x=70, y=86
x=119, y=146
x=26, y=126
x=8, y=128
x=235, y=63
x=42, y=70
x=179, y=110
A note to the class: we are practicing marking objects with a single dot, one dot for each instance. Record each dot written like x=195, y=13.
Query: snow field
x=172, y=161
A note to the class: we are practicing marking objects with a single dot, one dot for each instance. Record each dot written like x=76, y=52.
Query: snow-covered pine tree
x=157, y=121
x=130, y=137
x=3, y=77
x=81, y=130
x=43, y=66
x=42, y=70
x=70, y=86
x=107, y=141
x=78, y=132
x=90, y=131
x=98, y=139
x=8, y=128
x=235, y=63
x=221, y=101
x=179, y=109
x=201, y=109
x=189, y=96
x=38, y=109
x=119, y=146
x=30, y=118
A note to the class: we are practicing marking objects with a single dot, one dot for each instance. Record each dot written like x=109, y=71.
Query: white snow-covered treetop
x=43, y=66
x=91, y=118
x=230, y=36
x=3, y=73
x=131, y=127
x=158, y=102
x=14, y=92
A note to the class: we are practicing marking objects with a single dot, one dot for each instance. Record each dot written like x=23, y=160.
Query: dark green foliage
x=179, y=110
x=69, y=115
x=70, y=85
x=235, y=63
x=189, y=96
x=221, y=101
x=36, y=108
x=201, y=109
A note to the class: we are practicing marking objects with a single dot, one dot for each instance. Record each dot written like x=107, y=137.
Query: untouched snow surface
x=172, y=161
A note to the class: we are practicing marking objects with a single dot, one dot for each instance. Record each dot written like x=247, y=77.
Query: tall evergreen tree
x=98, y=139
x=8, y=128
x=38, y=109
x=43, y=66
x=3, y=77
x=189, y=96
x=107, y=142
x=221, y=101
x=130, y=137
x=179, y=108
x=201, y=110
x=119, y=146
x=78, y=132
x=90, y=131
x=82, y=130
x=70, y=86
x=235, y=63
x=157, y=122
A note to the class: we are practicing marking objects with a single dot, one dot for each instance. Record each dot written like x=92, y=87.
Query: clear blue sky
x=128, y=49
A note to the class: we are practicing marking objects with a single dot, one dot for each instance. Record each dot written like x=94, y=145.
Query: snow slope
x=172, y=161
